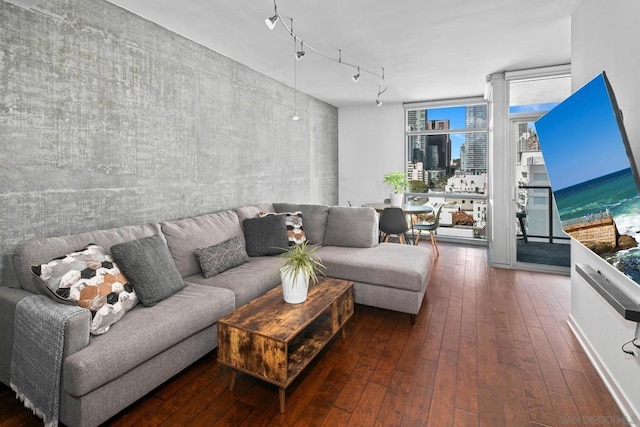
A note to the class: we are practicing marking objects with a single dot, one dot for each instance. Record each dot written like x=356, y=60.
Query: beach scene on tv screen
x=591, y=175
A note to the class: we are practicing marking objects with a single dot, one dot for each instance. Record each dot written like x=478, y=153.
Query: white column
x=499, y=209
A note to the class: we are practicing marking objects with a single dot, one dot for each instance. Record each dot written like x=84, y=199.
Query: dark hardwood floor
x=490, y=347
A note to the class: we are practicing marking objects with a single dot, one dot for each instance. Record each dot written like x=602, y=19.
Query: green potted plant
x=397, y=180
x=301, y=264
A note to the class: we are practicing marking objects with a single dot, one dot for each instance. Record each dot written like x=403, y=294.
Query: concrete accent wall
x=107, y=119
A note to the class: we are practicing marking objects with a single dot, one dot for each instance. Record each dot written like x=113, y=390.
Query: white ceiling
x=430, y=49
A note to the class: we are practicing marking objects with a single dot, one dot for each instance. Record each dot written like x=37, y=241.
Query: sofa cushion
x=184, y=236
x=314, y=216
x=247, y=281
x=221, y=257
x=387, y=264
x=142, y=334
x=252, y=211
x=293, y=222
x=89, y=278
x=351, y=227
x=150, y=269
x=40, y=251
x=266, y=235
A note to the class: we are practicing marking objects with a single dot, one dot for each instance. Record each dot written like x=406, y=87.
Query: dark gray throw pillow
x=149, y=267
x=221, y=257
x=265, y=236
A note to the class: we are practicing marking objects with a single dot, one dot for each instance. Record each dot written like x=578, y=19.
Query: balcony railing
x=549, y=235
x=475, y=232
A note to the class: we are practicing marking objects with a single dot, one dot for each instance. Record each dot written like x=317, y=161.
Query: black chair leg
x=524, y=231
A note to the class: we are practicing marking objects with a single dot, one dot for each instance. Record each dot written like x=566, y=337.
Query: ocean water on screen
x=616, y=193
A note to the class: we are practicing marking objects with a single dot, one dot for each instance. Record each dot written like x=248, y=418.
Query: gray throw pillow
x=149, y=267
x=265, y=236
x=221, y=257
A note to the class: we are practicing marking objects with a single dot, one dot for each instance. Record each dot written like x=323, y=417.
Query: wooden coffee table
x=274, y=341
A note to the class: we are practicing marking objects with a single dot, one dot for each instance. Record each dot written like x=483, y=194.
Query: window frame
x=449, y=103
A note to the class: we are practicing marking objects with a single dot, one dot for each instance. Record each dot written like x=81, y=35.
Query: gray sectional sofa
x=102, y=375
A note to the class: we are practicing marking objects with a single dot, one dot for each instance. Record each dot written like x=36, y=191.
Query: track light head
x=380, y=92
x=271, y=22
x=356, y=77
x=301, y=52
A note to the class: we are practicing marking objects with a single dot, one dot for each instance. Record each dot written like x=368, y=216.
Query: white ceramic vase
x=294, y=288
x=396, y=199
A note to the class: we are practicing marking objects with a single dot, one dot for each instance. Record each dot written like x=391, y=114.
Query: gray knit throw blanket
x=36, y=358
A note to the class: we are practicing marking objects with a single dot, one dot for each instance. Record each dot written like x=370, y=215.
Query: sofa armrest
x=76, y=330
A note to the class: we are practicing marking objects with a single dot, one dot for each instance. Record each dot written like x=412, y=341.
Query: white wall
x=605, y=37
x=371, y=143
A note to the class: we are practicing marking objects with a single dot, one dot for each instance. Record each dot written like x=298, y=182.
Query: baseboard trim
x=632, y=417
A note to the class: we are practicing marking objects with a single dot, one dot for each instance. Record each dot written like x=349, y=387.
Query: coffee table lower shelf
x=274, y=341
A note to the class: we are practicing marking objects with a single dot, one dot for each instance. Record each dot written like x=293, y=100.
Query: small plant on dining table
x=396, y=180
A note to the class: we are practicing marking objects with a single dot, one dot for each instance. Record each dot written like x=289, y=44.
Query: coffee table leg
x=282, y=399
x=344, y=334
x=233, y=379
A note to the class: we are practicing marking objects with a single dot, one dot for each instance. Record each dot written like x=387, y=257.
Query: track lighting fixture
x=301, y=52
x=273, y=21
x=380, y=92
x=357, y=76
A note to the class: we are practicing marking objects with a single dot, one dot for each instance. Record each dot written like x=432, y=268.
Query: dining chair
x=430, y=227
x=394, y=222
x=521, y=215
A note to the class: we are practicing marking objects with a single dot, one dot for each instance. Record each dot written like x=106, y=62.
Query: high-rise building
x=433, y=151
x=438, y=147
x=463, y=157
x=415, y=172
x=416, y=119
x=474, y=159
x=528, y=138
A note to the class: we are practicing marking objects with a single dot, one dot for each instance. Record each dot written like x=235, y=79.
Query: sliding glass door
x=537, y=229
x=538, y=240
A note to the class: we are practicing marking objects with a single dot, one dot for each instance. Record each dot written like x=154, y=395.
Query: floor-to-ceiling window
x=446, y=162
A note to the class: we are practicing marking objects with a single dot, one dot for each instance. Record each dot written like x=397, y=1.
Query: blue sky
x=514, y=109
x=580, y=139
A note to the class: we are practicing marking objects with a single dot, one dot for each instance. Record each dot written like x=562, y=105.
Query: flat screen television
x=593, y=175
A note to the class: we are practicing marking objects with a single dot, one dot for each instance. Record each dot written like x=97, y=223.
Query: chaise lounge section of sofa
x=102, y=375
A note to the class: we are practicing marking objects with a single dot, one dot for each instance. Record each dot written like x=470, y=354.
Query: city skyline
x=448, y=151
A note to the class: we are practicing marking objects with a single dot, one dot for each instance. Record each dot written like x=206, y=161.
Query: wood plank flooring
x=490, y=347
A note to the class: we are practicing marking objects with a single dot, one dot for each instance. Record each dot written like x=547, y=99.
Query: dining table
x=407, y=209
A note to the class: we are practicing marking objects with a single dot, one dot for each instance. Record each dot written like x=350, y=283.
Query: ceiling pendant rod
x=295, y=116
